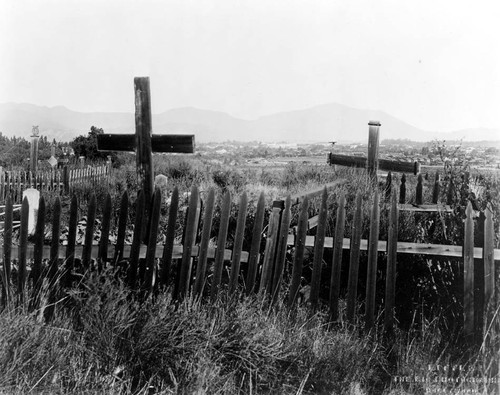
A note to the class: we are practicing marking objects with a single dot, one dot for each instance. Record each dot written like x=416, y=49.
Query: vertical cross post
x=373, y=132
x=34, y=150
x=143, y=133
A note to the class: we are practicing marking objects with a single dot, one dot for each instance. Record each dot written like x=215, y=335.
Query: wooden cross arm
x=383, y=164
x=178, y=143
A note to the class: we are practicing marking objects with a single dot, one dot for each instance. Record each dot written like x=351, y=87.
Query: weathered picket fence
x=58, y=180
x=197, y=266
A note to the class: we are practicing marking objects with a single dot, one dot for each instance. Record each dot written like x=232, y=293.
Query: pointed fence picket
x=60, y=181
x=190, y=266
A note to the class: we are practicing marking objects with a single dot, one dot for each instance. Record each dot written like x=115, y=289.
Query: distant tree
x=87, y=145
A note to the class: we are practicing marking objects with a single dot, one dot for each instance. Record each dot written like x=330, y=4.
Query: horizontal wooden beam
x=383, y=164
x=299, y=197
x=177, y=253
x=404, y=248
x=174, y=143
x=427, y=208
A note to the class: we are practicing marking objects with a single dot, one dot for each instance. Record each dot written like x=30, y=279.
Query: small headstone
x=33, y=196
x=161, y=181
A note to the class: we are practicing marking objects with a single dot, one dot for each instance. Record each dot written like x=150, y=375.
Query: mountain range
x=328, y=122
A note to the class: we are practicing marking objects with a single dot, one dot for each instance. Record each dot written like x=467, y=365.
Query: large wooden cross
x=144, y=143
x=372, y=162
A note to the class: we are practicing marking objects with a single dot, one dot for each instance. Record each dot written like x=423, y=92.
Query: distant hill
x=328, y=122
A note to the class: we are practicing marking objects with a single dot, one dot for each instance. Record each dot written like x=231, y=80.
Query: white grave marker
x=33, y=196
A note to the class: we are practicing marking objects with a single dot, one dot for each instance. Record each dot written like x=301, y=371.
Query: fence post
x=253, y=256
x=36, y=271
x=201, y=267
x=435, y=191
x=388, y=186
x=23, y=249
x=390, y=279
x=352, y=291
x=373, y=139
x=319, y=244
x=238, y=243
x=191, y=228
x=489, y=266
x=402, y=190
x=281, y=248
x=469, y=276
x=266, y=280
x=221, y=244
x=7, y=249
x=419, y=194
x=298, y=258
x=169, y=238
x=371, y=275
x=337, y=260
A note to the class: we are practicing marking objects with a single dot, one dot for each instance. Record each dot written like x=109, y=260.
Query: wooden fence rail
x=198, y=268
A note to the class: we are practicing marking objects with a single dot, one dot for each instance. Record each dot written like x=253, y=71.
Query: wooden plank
x=102, y=259
x=352, y=290
x=337, y=260
x=136, y=241
x=169, y=238
x=177, y=252
x=122, y=228
x=298, y=257
x=281, y=249
x=371, y=275
x=426, y=208
x=469, y=275
x=89, y=233
x=238, y=244
x=266, y=279
x=150, y=277
x=38, y=248
x=419, y=199
x=23, y=246
x=221, y=242
x=390, y=277
x=388, y=186
x=201, y=267
x=436, y=189
x=253, y=260
x=450, y=251
x=168, y=143
x=189, y=241
x=402, y=190
x=299, y=197
x=7, y=247
x=319, y=243
x=489, y=265
x=70, y=249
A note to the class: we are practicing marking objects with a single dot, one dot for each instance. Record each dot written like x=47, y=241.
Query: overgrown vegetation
x=104, y=338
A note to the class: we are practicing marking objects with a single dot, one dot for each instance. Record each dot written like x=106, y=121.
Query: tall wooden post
x=373, y=133
x=34, y=150
x=143, y=132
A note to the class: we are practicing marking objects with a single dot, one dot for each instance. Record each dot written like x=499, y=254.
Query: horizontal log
x=177, y=254
x=175, y=143
x=404, y=248
x=383, y=164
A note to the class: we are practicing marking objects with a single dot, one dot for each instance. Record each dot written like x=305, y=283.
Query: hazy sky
x=434, y=64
